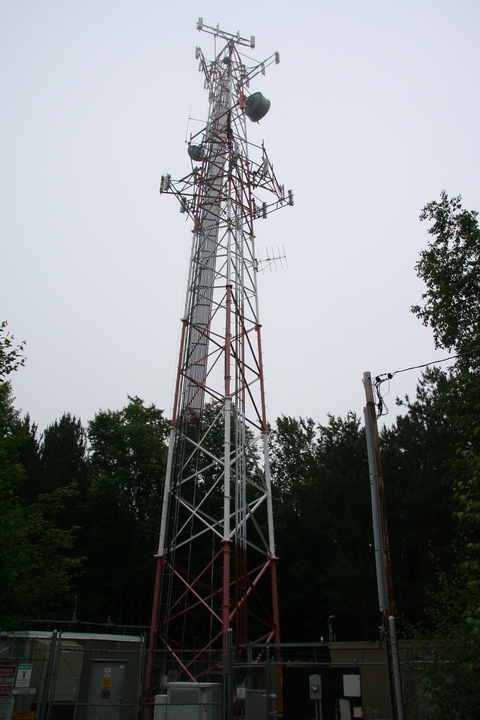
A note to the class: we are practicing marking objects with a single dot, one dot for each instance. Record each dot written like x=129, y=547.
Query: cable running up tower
x=216, y=562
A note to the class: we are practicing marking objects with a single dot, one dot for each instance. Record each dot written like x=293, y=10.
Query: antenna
x=272, y=260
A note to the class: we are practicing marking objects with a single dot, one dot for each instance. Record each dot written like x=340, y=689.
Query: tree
x=63, y=454
x=323, y=529
x=447, y=657
x=121, y=513
x=450, y=268
x=468, y=496
x=417, y=453
x=56, y=460
x=11, y=471
x=323, y=513
x=11, y=357
x=34, y=571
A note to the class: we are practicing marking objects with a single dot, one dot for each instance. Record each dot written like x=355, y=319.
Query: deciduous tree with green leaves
x=121, y=513
x=11, y=356
x=450, y=268
x=34, y=570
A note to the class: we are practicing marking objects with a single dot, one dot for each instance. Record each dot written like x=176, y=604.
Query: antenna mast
x=216, y=561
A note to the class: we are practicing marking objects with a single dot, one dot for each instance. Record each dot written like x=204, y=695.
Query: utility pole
x=382, y=549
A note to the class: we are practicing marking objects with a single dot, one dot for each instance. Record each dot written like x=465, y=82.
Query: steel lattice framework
x=216, y=562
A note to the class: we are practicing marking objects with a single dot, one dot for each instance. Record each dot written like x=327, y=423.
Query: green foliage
x=323, y=529
x=417, y=453
x=450, y=268
x=63, y=454
x=11, y=471
x=57, y=460
x=34, y=570
x=84, y=523
x=444, y=688
x=468, y=496
x=442, y=663
x=121, y=512
x=445, y=662
x=11, y=357
x=128, y=448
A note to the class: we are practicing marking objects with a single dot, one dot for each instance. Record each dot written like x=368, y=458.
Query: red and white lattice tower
x=216, y=562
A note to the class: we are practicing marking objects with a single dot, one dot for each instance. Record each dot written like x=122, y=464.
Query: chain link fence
x=72, y=676
x=88, y=676
x=266, y=682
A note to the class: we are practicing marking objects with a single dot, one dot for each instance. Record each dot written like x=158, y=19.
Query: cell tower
x=216, y=562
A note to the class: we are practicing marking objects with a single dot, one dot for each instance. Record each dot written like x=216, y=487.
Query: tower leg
x=227, y=551
x=276, y=614
x=153, y=629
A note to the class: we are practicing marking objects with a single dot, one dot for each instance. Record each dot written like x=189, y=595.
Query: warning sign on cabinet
x=7, y=679
x=23, y=675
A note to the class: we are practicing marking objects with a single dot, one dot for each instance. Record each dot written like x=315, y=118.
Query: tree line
x=80, y=506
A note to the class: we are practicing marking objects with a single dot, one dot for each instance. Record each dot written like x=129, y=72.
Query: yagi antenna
x=272, y=260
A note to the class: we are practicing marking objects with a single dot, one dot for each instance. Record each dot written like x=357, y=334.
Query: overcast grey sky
x=374, y=110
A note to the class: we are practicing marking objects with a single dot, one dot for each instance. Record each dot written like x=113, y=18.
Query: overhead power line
x=389, y=376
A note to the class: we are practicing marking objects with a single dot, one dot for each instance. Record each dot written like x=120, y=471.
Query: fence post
x=140, y=665
x=44, y=710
